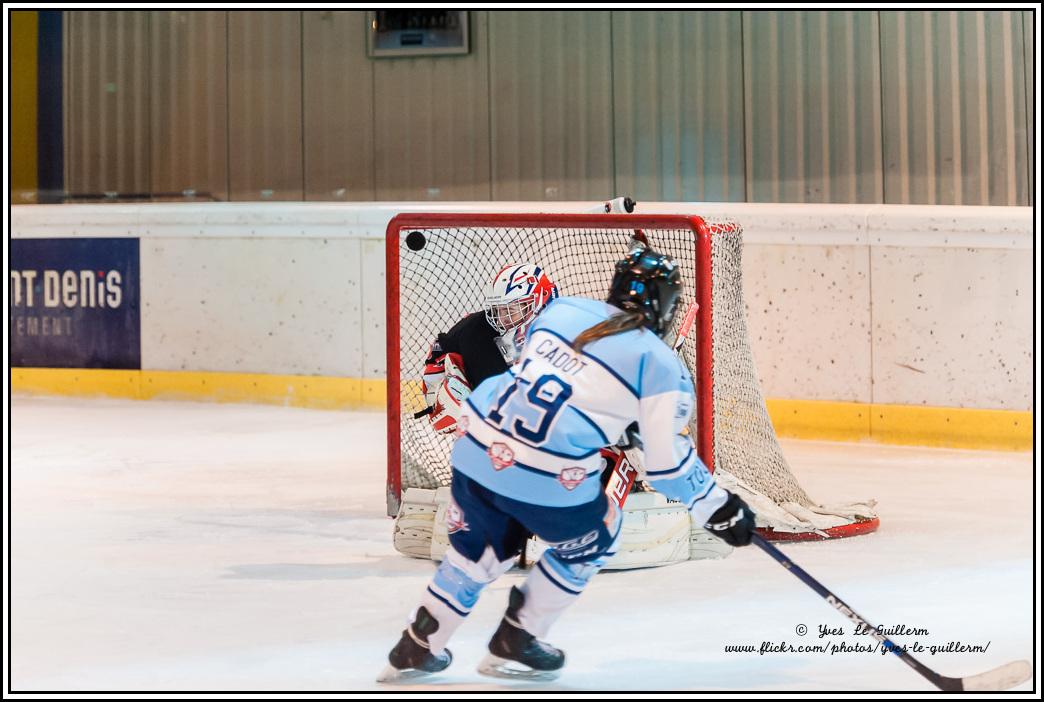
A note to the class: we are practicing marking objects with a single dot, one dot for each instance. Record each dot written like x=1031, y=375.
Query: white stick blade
x=1003, y=678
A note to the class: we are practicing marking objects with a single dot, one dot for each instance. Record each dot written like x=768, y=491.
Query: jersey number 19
x=546, y=396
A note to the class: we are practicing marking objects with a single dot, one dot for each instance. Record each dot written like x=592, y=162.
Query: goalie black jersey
x=476, y=342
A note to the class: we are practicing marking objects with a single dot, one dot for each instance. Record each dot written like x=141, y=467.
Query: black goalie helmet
x=647, y=281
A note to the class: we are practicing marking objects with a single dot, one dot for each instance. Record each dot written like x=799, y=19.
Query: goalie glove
x=446, y=398
x=733, y=522
x=434, y=373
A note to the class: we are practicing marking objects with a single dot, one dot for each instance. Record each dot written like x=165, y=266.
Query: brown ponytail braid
x=617, y=324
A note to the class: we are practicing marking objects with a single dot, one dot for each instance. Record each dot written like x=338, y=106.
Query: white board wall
x=888, y=304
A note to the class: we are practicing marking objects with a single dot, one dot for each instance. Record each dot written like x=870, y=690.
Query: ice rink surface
x=183, y=546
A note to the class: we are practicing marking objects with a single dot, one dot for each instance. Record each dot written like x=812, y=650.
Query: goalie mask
x=517, y=294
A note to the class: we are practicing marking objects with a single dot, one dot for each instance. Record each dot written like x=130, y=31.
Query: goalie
x=485, y=343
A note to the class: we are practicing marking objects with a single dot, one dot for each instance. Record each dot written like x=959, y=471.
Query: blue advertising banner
x=75, y=303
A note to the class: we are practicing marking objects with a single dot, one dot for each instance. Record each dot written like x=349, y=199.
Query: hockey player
x=527, y=458
x=483, y=344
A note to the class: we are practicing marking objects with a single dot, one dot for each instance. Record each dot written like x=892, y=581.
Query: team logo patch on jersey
x=571, y=477
x=462, y=427
x=501, y=455
x=455, y=519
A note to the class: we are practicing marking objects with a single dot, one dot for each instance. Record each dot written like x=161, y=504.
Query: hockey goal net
x=438, y=266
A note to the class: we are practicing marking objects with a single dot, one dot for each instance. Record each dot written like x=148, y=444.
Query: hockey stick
x=1001, y=678
x=686, y=325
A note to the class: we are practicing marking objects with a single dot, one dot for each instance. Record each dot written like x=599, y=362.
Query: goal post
x=438, y=265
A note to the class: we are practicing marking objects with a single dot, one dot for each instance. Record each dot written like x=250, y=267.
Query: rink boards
x=902, y=323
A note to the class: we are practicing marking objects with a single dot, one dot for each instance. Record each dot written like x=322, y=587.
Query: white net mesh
x=443, y=271
x=745, y=444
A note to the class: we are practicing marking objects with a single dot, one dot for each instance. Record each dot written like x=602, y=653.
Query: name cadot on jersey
x=534, y=432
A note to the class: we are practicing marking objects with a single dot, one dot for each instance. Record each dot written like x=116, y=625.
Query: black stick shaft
x=940, y=681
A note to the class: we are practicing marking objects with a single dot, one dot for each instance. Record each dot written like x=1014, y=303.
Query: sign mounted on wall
x=404, y=33
x=74, y=303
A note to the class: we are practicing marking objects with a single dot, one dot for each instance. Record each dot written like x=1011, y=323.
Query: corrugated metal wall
x=106, y=102
x=551, y=105
x=678, y=105
x=813, y=106
x=1029, y=74
x=431, y=134
x=953, y=94
x=790, y=106
x=265, y=126
x=188, y=103
x=338, y=107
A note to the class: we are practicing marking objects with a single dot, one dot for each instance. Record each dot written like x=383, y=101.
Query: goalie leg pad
x=455, y=589
x=654, y=533
x=416, y=521
x=657, y=533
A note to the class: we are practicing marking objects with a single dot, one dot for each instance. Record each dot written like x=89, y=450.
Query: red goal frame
x=704, y=327
x=703, y=296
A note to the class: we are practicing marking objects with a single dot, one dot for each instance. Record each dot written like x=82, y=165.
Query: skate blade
x=392, y=675
x=497, y=667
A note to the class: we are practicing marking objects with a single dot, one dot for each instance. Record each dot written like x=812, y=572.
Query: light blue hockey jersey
x=534, y=432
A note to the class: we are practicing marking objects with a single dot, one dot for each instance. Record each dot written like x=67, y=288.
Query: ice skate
x=411, y=658
x=515, y=653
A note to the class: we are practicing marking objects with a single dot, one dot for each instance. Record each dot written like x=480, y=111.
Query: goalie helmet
x=517, y=294
x=648, y=282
